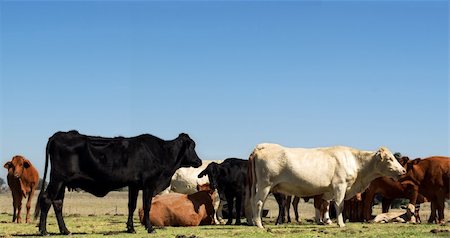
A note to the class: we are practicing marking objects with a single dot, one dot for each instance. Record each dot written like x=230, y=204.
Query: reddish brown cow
x=429, y=177
x=175, y=209
x=22, y=179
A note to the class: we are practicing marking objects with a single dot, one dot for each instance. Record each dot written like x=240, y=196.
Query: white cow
x=185, y=181
x=336, y=172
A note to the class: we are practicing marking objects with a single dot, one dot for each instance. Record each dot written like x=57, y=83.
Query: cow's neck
x=174, y=150
x=367, y=173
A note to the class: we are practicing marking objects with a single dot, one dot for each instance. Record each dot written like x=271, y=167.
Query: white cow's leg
x=258, y=204
x=339, y=209
x=219, y=212
x=326, y=215
x=339, y=199
x=217, y=206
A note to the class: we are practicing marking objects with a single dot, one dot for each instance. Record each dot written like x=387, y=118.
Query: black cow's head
x=187, y=154
x=213, y=172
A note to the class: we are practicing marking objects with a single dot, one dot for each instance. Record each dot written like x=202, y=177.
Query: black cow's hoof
x=65, y=232
x=151, y=230
x=228, y=223
x=43, y=233
x=130, y=230
x=238, y=223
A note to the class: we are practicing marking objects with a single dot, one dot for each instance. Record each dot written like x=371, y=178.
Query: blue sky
x=230, y=74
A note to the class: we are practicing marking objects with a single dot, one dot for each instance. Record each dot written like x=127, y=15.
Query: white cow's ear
x=383, y=152
x=380, y=153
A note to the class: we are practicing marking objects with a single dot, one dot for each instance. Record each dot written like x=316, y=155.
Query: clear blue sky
x=230, y=74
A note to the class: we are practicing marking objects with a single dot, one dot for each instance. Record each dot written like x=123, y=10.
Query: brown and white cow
x=176, y=209
x=23, y=179
x=186, y=180
x=431, y=178
x=336, y=172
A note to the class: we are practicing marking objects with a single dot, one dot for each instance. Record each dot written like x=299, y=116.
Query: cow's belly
x=300, y=189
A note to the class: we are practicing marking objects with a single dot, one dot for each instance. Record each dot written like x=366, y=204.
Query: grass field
x=88, y=216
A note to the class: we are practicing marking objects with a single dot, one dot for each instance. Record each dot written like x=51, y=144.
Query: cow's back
x=438, y=170
x=436, y=174
x=311, y=171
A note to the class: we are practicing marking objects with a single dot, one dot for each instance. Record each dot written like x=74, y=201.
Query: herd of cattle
x=198, y=191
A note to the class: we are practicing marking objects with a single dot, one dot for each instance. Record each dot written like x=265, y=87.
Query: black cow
x=99, y=165
x=284, y=206
x=230, y=179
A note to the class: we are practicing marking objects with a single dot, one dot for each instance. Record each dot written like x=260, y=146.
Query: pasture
x=88, y=216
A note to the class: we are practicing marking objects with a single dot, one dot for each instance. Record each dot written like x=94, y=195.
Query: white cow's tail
x=251, y=188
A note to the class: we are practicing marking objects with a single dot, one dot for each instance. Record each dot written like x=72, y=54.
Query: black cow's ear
x=203, y=173
x=183, y=135
x=8, y=165
x=26, y=164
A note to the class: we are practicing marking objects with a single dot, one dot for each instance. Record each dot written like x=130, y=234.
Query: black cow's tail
x=37, y=209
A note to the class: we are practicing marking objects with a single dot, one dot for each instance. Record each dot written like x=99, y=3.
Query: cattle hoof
x=151, y=230
x=228, y=223
x=43, y=233
x=130, y=230
x=65, y=232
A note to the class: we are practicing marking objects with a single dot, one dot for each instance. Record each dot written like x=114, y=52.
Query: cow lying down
x=396, y=216
x=176, y=209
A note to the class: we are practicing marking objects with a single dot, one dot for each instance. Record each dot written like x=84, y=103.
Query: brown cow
x=176, y=209
x=23, y=179
x=429, y=177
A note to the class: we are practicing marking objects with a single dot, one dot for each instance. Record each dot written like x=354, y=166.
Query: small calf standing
x=175, y=209
x=23, y=179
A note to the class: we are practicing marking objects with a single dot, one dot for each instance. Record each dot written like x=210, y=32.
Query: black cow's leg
x=45, y=202
x=386, y=204
x=147, y=203
x=288, y=208
x=132, y=200
x=238, y=209
x=280, y=198
x=230, y=208
x=58, y=206
x=295, y=205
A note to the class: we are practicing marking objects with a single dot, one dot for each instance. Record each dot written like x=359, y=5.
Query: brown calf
x=175, y=209
x=22, y=179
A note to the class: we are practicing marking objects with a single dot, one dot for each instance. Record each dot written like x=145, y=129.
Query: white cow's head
x=387, y=164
